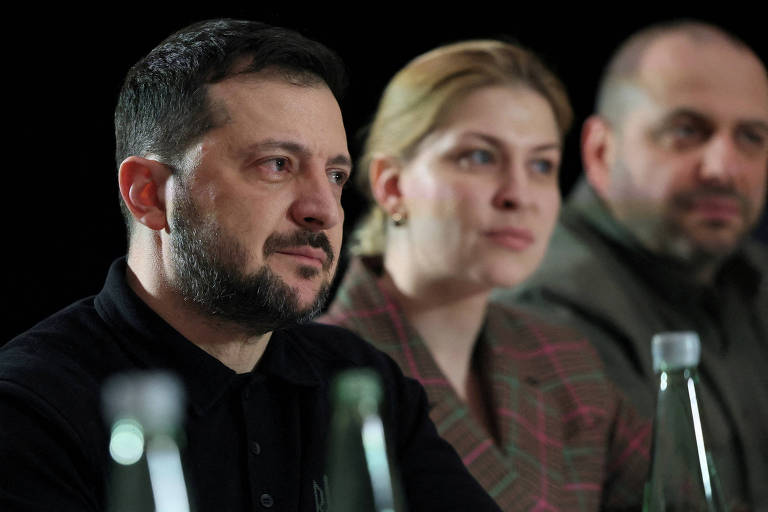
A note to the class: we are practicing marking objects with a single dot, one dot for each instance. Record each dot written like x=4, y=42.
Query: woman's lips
x=515, y=239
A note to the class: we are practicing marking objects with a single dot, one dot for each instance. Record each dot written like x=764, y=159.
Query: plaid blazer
x=568, y=440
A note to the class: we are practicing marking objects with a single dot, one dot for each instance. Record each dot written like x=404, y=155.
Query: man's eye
x=338, y=177
x=753, y=137
x=277, y=164
x=686, y=134
x=683, y=134
x=275, y=168
x=685, y=131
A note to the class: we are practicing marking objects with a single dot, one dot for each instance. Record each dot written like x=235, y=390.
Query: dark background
x=64, y=67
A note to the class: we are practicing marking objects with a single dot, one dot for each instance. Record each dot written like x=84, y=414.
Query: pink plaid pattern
x=569, y=442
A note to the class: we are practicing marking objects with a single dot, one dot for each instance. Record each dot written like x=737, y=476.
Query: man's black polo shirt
x=253, y=441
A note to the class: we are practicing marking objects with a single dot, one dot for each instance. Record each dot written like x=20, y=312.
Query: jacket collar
x=672, y=276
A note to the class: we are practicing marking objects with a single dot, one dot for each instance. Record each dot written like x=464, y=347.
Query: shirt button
x=255, y=448
x=266, y=500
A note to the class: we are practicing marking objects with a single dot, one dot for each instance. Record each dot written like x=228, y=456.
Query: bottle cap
x=675, y=350
x=360, y=388
x=154, y=399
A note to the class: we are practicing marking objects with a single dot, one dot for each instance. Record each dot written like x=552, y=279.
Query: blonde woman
x=462, y=162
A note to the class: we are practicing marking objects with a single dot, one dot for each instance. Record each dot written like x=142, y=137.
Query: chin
x=698, y=250
x=718, y=243
x=717, y=250
x=308, y=293
x=509, y=277
x=513, y=271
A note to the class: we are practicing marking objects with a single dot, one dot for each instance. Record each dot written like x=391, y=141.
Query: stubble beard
x=666, y=230
x=707, y=242
x=208, y=274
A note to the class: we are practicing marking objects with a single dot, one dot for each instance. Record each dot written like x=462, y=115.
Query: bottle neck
x=677, y=377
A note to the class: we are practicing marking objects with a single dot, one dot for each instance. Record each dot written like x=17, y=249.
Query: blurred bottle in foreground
x=682, y=476
x=145, y=412
x=361, y=474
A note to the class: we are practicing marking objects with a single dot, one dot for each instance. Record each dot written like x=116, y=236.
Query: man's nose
x=722, y=159
x=316, y=205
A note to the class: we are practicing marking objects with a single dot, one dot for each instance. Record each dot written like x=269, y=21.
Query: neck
x=705, y=274
x=448, y=319
x=702, y=268
x=222, y=340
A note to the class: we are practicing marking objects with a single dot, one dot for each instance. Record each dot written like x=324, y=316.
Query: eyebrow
x=756, y=123
x=342, y=160
x=699, y=117
x=299, y=149
x=685, y=112
x=495, y=141
x=546, y=147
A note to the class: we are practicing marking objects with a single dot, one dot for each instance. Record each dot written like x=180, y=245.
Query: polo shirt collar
x=284, y=360
x=152, y=343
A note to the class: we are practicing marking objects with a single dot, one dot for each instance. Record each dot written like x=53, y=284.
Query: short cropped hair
x=623, y=66
x=425, y=90
x=163, y=106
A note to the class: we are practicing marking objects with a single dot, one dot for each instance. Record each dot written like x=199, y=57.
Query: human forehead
x=511, y=113
x=713, y=76
x=264, y=103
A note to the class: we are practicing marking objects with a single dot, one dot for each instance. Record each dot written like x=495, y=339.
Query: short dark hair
x=163, y=106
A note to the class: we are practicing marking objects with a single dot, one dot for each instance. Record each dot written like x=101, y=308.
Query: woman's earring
x=398, y=219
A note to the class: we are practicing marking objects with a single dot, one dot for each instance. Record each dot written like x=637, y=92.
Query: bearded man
x=657, y=238
x=232, y=157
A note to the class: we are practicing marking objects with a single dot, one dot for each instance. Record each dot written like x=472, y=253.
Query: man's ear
x=384, y=175
x=597, y=152
x=142, y=187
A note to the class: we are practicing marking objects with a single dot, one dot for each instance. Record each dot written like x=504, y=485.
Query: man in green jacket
x=656, y=238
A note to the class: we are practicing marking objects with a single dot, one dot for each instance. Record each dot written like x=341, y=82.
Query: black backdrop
x=64, y=66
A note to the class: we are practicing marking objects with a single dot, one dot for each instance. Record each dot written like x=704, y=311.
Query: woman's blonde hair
x=428, y=87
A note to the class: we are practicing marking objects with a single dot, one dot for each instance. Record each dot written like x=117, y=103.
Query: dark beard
x=207, y=265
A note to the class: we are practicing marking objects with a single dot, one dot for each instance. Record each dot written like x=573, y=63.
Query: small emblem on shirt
x=321, y=495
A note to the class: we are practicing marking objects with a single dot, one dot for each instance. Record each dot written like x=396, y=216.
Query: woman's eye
x=543, y=166
x=477, y=157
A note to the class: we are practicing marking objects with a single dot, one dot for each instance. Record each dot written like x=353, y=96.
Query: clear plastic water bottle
x=682, y=476
x=361, y=474
x=145, y=412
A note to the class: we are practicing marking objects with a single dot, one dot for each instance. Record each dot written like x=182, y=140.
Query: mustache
x=688, y=198
x=278, y=241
